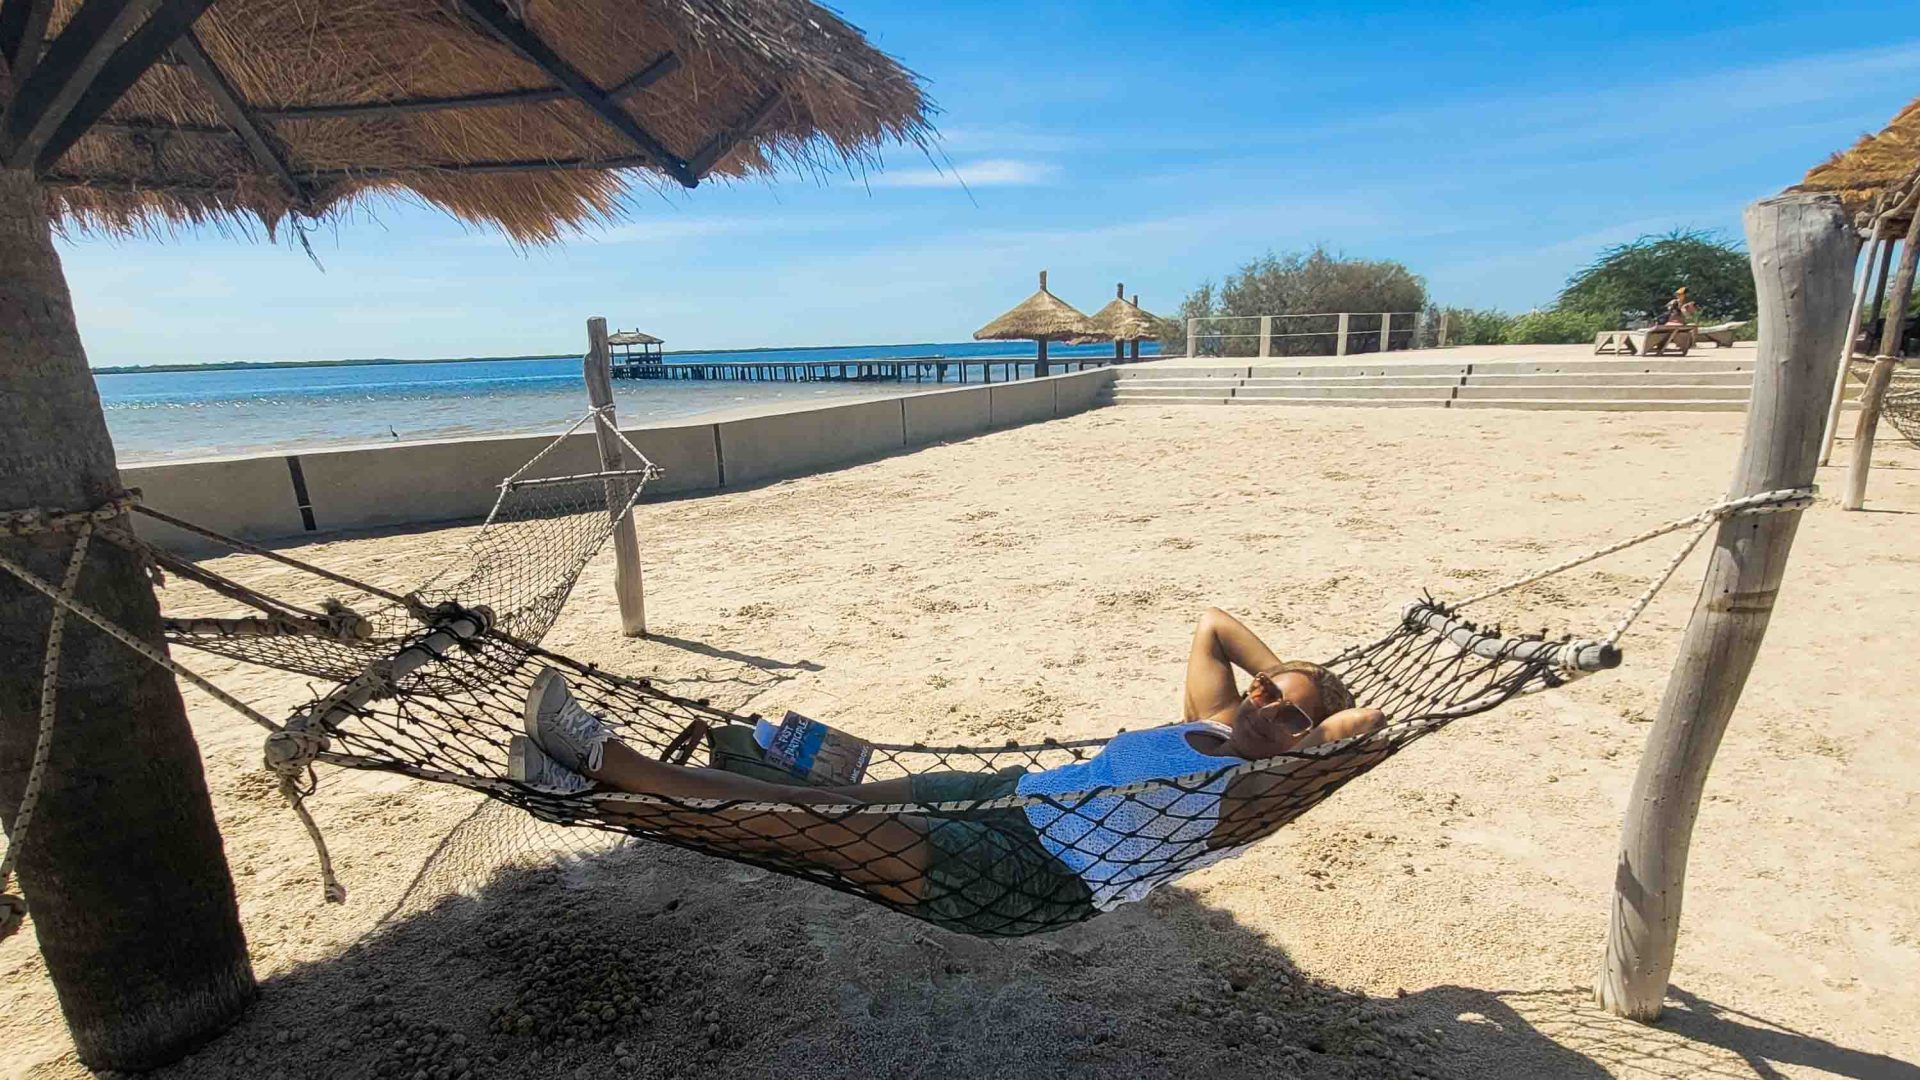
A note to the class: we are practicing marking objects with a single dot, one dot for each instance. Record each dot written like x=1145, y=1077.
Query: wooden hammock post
x=1839, y=399
x=626, y=546
x=1883, y=365
x=1803, y=255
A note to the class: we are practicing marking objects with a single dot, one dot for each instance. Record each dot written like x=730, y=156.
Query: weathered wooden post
x=1832, y=429
x=1266, y=336
x=1803, y=255
x=1883, y=365
x=1442, y=337
x=1193, y=331
x=1340, y=336
x=626, y=546
x=1133, y=347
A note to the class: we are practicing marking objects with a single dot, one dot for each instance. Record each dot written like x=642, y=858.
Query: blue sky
x=1491, y=147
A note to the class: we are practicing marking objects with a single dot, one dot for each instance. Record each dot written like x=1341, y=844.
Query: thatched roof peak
x=1123, y=319
x=1876, y=175
x=1040, y=317
x=633, y=337
x=537, y=116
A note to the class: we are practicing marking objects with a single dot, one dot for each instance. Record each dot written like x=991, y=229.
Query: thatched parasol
x=536, y=116
x=533, y=115
x=1040, y=318
x=1123, y=322
x=1876, y=177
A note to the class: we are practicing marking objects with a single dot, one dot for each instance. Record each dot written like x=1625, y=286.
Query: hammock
x=550, y=517
x=1901, y=405
x=443, y=702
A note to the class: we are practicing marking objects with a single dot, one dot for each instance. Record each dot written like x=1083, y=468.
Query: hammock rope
x=442, y=700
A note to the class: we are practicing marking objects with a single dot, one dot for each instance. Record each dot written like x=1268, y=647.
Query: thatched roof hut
x=537, y=116
x=1040, y=317
x=1123, y=320
x=633, y=337
x=1877, y=177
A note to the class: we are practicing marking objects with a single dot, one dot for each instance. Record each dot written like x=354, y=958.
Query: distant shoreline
x=254, y=365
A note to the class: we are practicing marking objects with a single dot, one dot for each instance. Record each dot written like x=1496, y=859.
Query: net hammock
x=550, y=517
x=443, y=702
x=1901, y=405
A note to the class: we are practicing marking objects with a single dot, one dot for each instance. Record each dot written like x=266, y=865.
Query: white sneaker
x=571, y=735
x=530, y=765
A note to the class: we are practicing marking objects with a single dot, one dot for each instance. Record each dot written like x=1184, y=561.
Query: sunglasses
x=1265, y=692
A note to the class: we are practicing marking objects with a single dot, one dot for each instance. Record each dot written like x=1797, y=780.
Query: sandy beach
x=1441, y=917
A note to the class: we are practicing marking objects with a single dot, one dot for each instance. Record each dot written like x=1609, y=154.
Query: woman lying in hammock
x=996, y=871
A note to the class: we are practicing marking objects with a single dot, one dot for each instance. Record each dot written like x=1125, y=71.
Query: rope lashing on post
x=13, y=908
x=84, y=524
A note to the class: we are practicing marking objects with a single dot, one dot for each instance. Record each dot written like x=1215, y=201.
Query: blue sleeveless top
x=1125, y=846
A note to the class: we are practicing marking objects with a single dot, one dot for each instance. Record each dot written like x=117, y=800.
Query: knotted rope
x=1783, y=500
x=83, y=523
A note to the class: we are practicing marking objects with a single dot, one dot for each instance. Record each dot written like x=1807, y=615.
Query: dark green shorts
x=987, y=872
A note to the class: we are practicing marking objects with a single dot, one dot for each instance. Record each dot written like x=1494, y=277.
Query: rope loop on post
x=35, y=521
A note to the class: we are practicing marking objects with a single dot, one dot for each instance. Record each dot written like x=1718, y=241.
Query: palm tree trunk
x=123, y=870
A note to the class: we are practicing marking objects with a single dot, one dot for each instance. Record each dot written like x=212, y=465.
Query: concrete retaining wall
x=280, y=496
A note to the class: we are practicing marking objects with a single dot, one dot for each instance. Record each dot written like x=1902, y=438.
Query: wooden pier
x=934, y=369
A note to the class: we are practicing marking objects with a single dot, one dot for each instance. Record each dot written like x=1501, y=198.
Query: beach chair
x=1651, y=341
x=1721, y=334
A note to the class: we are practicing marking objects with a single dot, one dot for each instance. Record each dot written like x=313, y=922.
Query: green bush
x=1474, y=326
x=1557, y=327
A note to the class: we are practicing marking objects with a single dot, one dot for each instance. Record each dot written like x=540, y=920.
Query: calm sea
x=157, y=416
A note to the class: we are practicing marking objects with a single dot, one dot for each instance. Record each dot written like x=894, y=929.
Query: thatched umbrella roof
x=1877, y=174
x=536, y=116
x=633, y=337
x=1040, y=317
x=1123, y=320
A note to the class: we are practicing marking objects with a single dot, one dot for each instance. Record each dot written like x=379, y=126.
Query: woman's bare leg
x=884, y=853
x=1220, y=644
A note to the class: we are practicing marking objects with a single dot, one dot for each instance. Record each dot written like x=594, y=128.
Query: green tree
x=1297, y=283
x=1635, y=281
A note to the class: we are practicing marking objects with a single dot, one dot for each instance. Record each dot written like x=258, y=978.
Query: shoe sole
x=517, y=759
x=536, y=695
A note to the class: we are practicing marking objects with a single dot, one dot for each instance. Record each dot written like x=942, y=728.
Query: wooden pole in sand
x=1846, y=347
x=627, y=584
x=1803, y=256
x=1883, y=365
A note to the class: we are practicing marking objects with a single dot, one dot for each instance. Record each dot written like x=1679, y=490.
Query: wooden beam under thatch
x=129, y=63
x=23, y=32
x=260, y=142
x=724, y=141
x=537, y=52
x=65, y=71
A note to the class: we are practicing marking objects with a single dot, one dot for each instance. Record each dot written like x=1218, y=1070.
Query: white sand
x=1441, y=916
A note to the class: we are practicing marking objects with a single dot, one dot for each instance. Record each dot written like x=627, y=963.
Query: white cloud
x=988, y=172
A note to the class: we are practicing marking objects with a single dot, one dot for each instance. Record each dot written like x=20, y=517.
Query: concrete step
x=1357, y=389
x=1177, y=391
x=1607, y=404
x=1600, y=364
x=1548, y=404
x=1616, y=378
x=1155, y=399
x=1331, y=382
x=1350, y=399
x=1583, y=392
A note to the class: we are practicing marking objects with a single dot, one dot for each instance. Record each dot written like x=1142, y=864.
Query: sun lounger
x=1721, y=334
x=1652, y=341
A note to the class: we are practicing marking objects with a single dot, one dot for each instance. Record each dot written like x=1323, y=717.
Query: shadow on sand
x=744, y=672
x=647, y=961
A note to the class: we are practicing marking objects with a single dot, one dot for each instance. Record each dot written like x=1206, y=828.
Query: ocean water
x=161, y=416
